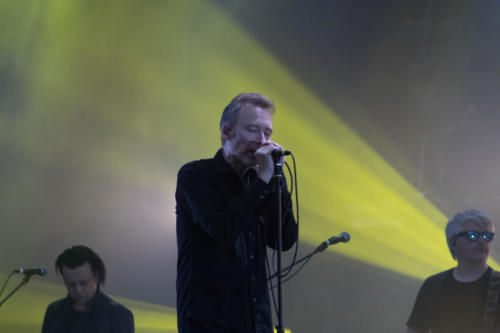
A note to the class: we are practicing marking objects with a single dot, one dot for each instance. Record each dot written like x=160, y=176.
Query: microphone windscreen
x=346, y=236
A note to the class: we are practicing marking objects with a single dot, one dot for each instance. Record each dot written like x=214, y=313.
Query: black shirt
x=104, y=316
x=222, y=231
x=446, y=305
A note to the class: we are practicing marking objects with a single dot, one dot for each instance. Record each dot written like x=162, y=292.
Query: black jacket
x=103, y=316
x=222, y=232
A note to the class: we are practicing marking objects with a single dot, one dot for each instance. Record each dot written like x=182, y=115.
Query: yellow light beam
x=140, y=90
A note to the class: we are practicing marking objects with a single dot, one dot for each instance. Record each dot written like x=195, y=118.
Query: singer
x=225, y=214
x=460, y=300
x=86, y=308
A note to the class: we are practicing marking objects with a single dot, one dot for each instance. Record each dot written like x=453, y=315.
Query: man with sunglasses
x=464, y=298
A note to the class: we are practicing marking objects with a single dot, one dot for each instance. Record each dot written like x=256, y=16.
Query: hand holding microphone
x=266, y=156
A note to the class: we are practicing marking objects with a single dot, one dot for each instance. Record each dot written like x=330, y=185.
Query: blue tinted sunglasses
x=473, y=235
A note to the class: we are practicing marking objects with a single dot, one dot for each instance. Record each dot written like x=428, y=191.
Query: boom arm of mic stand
x=22, y=283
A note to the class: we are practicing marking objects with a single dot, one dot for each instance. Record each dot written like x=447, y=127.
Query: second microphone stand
x=24, y=281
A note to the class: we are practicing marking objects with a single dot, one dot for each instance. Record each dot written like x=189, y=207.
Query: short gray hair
x=456, y=225
x=231, y=112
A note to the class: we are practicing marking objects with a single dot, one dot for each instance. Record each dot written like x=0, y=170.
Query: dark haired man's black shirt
x=104, y=316
x=223, y=227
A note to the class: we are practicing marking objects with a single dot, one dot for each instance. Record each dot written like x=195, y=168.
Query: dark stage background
x=390, y=108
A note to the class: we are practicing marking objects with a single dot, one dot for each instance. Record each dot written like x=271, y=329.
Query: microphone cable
x=293, y=180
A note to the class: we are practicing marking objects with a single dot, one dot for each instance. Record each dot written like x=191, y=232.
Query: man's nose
x=78, y=289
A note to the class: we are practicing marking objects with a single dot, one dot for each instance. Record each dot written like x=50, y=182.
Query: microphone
x=276, y=154
x=343, y=237
x=42, y=271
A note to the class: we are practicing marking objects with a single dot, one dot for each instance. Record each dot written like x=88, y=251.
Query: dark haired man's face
x=81, y=284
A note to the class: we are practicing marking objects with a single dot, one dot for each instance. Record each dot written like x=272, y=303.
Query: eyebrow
x=269, y=129
x=79, y=281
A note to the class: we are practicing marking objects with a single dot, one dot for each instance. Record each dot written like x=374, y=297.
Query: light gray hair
x=231, y=112
x=456, y=225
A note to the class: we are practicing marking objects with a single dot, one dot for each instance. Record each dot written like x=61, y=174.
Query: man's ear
x=226, y=132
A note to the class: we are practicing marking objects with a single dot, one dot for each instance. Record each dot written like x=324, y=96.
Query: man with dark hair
x=226, y=215
x=463, y=299
x=86, y=308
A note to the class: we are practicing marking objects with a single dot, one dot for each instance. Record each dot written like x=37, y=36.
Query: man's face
x=251, y=131
x=80, y=282
x=472, y=251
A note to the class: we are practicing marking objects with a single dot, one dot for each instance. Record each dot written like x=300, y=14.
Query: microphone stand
x=24, y=281
x=278, y=175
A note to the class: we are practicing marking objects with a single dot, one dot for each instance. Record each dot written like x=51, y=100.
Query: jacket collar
x=221, y=164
